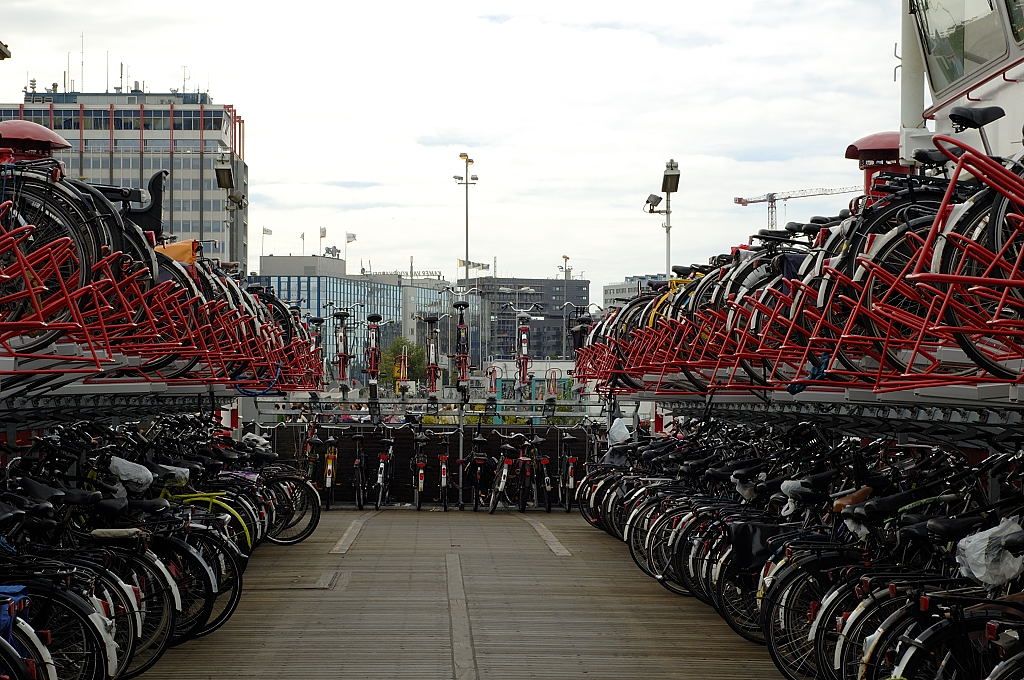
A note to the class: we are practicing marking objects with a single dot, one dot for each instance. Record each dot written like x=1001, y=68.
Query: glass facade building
x=394, y=298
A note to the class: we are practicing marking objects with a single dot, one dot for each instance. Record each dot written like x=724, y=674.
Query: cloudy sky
x=356, y=114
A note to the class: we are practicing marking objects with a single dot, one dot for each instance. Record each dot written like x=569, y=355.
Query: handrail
x=929, y=113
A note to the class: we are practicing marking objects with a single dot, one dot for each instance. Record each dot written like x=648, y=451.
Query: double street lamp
x=669, y=186
x=466, y=179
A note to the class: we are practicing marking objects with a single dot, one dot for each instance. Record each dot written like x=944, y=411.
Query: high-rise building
x=124, y=138
x=550, y=317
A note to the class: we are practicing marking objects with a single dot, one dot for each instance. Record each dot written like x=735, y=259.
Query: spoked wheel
x=298, y=510
x=417, y=494
x=524, y=489
x=444, y=498
x=357, y=481
x=226, y=567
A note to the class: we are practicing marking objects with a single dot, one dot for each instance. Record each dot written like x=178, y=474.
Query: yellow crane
x=772, y=198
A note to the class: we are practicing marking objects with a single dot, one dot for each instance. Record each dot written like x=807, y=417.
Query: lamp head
x=473, y=178
x=654, y=200
x=670, y=181
x=464, y=156
x=457, y=178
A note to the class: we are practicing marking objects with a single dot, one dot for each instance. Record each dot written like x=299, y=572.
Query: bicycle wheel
x=195, y=580
x=298, y=510
x=417, y=496
x=380, y=497
x=34, y=650
x=218, y=553
x=157, y=591
x=524, y=489
x=737, y=595
x=950, y=650
x=78, y=648
x=357, y=482
x=12, y=666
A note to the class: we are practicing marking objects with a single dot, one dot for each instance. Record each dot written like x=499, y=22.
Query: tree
x=389, y=361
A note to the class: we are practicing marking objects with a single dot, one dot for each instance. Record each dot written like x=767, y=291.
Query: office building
x=614, y=294
x=321, y=285
x=550, y=315
x=124, y=138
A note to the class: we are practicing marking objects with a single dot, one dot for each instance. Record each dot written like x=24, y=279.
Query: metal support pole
x=462, y=456
x=467, y=222
x=668, y=235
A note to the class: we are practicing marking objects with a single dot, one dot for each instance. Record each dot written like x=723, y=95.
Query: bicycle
x=444, y=486
x=359, y=470
x=513, y=482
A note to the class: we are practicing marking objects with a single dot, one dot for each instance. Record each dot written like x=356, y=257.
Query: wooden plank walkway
x=461, y=596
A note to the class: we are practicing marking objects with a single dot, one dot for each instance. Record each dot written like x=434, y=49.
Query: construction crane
x=772, y=198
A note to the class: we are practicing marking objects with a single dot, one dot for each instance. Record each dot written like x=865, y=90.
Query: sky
x=356, y=113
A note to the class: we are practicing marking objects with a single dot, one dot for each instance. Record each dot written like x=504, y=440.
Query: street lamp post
x=466, y=180
x=669, y=186
x=517, y=291
x=567, y=270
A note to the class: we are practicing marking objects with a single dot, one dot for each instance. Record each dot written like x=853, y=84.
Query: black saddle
x=934, y=156
x=964, y=118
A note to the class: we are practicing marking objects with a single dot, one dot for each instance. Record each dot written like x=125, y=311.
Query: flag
x=303, y=236
x=323, y=232
x=267, y=231
x=349, y=237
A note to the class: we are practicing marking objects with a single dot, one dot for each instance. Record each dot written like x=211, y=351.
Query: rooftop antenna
x=108, y=71
x=81, y=72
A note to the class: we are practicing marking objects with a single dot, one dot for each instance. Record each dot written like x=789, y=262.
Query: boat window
x=1015, y=8
x=959, y=37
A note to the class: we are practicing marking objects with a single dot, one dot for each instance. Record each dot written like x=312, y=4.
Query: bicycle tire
x=357, y=482
x=311, y=501
x=229, y=581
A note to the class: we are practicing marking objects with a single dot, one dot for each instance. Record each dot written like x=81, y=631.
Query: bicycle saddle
x=154, y=506
x=508, y=448
x=681, y=271
x=934, y=156
x=358, y=436
x=480, y=439
x=567, y=437
x=387, y=441
x=421, y=437
x=460, y=304
x=374, y=318
x=950, y=528
x=964, y=117
x=40, y=491
x=536, y=439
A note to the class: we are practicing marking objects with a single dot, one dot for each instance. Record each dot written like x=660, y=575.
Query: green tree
x=389, y=361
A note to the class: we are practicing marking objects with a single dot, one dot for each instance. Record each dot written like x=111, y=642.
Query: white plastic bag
x=135, y=477
x=618, y=432
x=982, y=557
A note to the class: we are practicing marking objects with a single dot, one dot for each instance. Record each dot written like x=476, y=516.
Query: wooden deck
x=464, y=596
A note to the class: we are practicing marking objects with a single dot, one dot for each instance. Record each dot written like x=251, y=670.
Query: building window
x=213, y=120
x=185, y=119
x=64, y=119
x=126, y=119
x=97, y=120
x=156, y=119
x=126, y=144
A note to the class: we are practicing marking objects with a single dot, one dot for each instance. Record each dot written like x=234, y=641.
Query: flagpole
x=263, y=240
